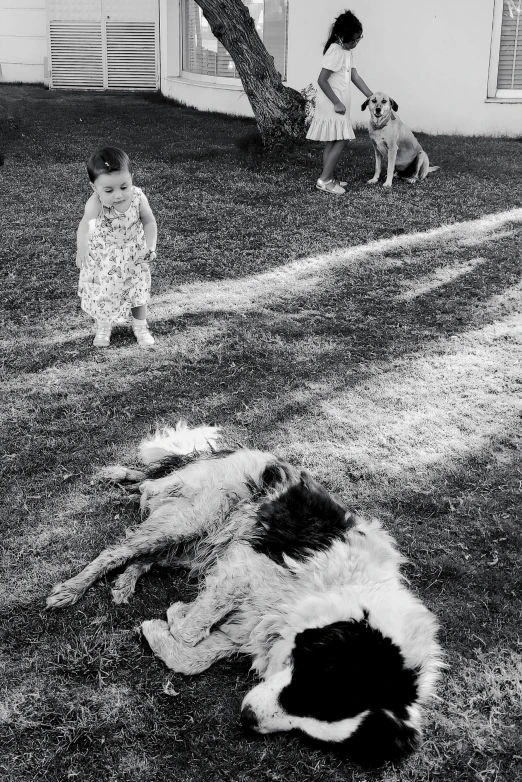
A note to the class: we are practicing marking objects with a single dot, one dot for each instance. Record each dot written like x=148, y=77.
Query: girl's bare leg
x=326, y=153
x=331, y=157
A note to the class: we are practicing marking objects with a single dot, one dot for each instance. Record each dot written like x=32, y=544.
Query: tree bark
x=279, y=111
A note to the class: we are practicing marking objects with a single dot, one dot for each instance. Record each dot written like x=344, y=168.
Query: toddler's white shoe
x=102, y=337
x=143, y=336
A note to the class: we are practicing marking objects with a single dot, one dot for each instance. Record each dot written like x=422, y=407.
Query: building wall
x=23, y=40
x=432, y=56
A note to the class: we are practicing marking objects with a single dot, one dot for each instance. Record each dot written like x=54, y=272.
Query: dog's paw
x=373, y=181
x=63, y=595
x=175, y=656
x=122, y=592
x=156, y=633
x=176, y=613
x=182, y=630
x=387, y=185
x=125, y=584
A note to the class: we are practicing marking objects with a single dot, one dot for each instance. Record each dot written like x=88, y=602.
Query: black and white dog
x=345, y=652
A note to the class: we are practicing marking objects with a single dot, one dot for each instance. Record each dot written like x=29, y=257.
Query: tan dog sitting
x=395, y=142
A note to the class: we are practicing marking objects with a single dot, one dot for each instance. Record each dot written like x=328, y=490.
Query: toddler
x=116, y=241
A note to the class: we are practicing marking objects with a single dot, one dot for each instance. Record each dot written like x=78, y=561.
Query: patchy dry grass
x=375, y=338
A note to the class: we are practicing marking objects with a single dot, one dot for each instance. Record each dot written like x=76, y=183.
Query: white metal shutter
x=76, y=55
x=104, y=44
x=510, y=55
x=131, y=55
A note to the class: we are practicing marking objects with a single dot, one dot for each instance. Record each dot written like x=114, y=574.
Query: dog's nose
x=248, y=719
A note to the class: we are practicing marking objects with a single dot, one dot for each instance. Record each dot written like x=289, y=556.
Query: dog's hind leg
x=421, y=162
x=158, y=533
x=423, y=168
x=186, y=659
x=125, y=584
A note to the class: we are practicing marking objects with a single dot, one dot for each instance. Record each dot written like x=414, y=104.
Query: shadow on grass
x=389, y=370
x=221, y=213
x=464, y=551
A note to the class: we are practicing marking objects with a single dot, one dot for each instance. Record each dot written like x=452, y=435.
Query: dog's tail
x=178, y=441
x=432, y=168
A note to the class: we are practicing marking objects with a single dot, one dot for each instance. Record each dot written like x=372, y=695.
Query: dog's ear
x=365, y=104
x=394, y=104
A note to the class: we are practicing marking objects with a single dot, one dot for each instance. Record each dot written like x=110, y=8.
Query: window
x=505, y=70
x=203, y=54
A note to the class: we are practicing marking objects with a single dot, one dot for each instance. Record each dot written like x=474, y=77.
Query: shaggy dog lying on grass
x=345, y=652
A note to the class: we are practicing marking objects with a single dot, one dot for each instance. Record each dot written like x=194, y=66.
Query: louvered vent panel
x=76, y=55
x=131, y=55
x=510, y=56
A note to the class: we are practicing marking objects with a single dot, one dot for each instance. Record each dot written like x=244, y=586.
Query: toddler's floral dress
x=114, y=278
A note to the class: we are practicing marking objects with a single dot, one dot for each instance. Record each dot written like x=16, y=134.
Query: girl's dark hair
x=345, y=27
x=106, y=160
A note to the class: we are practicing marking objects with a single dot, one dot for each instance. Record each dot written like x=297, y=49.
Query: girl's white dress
x=326, y=124
x=113, y=278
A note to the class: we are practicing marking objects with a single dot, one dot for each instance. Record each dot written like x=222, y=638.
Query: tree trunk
x=279, y=111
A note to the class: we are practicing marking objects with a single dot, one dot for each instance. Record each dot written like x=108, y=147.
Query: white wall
x=23, y=40
x=432, y=56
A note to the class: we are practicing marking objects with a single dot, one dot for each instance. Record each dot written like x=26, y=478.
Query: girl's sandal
x=341, y=184
x=331, y=187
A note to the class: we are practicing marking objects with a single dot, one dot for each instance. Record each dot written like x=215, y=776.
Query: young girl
x=331, y=121
x=114, y=255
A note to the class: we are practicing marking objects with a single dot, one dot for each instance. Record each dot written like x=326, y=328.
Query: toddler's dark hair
x=345, y=27
x=106, y=160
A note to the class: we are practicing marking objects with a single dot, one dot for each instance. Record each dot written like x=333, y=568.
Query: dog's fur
x=394, y=142
x=345, y=652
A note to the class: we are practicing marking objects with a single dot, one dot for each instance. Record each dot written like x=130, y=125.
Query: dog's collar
x=379, y=126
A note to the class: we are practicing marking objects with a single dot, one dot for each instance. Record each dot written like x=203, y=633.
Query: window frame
x=225, y=81
x=506, y=96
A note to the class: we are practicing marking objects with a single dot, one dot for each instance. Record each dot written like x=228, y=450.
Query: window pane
x=510, y=55
x=202, y=52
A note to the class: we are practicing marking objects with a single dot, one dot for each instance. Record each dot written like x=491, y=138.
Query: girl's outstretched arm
x=148, y=220
x=360, y=84
x=92, y=210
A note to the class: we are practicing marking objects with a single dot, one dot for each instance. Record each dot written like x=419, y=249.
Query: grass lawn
x=374, y=338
